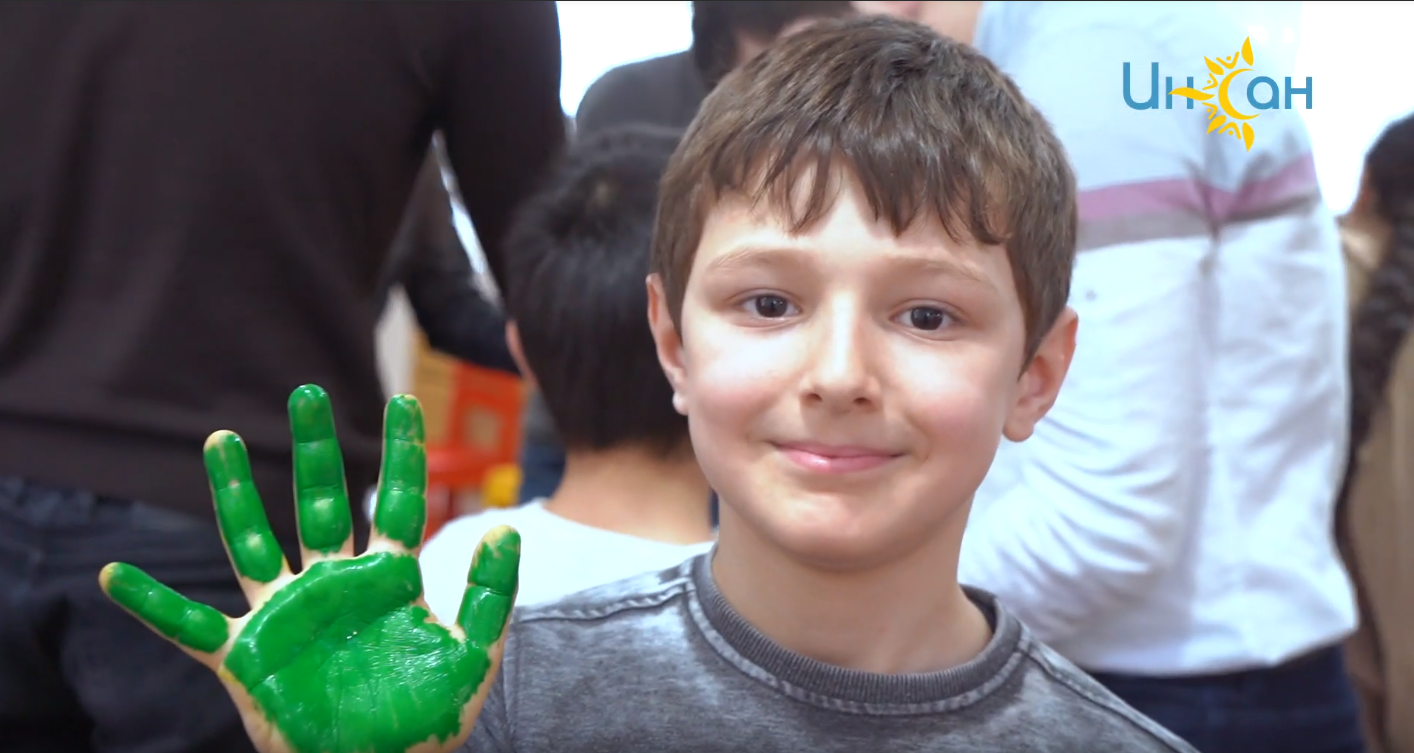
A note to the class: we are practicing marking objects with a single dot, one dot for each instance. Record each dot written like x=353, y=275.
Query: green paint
x=401, y=511
x=253, y=548
x=340, y=659
x=196, y=626
x=321, y=496
x=491, y=587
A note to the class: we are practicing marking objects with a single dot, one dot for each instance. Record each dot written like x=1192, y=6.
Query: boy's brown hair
x=922, y=123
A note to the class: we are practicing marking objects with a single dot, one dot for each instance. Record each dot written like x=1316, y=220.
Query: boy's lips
x=823, y=458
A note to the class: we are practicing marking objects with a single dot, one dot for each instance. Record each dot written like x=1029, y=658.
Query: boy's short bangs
x=928, y=130
x=787, y=178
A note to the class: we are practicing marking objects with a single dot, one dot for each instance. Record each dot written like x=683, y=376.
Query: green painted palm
x=343, y=657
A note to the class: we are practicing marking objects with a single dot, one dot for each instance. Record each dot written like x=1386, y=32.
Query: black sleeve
x=501, y=111
x=436, y=274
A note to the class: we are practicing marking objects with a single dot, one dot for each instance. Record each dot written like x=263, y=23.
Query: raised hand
x=343, y=657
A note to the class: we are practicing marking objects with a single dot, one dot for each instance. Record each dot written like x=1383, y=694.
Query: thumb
x=491, y=587
x=196, y=627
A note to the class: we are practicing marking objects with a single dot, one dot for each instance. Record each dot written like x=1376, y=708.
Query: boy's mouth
x=822, y=458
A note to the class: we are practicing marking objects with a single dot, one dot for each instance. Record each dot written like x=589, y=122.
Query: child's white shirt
x=558, y=556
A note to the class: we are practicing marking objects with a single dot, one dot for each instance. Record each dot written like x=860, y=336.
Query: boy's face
x=847, y=389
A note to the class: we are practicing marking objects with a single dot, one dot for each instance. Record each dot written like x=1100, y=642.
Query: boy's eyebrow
x=918, y=266
x=755, y=256
x=908, y=266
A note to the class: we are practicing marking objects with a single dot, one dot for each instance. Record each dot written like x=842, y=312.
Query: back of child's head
x=577, y=260
x=928, y=128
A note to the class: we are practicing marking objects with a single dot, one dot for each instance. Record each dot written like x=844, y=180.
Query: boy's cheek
x=734, y=373
x=737, y=394
x=951, y=405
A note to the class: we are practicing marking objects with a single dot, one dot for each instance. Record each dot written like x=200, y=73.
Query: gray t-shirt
x=662, y=663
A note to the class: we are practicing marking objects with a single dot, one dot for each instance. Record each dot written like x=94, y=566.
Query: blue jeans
x=1304, y=706
x=76, y=672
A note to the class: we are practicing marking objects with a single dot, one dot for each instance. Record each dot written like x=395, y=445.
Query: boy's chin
x=842, y=543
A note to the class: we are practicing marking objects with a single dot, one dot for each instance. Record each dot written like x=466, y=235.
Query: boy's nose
x=839, y=376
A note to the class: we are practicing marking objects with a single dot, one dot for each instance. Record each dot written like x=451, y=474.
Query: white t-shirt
x=558, y=557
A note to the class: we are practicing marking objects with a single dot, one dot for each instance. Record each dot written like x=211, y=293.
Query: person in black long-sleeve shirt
x=196, y=204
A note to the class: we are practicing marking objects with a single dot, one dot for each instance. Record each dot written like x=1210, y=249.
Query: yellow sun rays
x=1223, y=117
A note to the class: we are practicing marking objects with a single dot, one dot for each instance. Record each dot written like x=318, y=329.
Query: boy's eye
x=927, y=318
x=770, y=306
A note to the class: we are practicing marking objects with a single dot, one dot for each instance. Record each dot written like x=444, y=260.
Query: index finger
x=254, y=551
x=400, y=513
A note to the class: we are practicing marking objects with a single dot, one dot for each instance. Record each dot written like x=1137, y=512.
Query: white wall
x=1359, y=57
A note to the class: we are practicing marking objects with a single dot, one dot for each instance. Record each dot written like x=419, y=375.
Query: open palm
x=343, y=657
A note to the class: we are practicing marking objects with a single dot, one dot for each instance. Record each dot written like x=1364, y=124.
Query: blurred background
x=1355, y=43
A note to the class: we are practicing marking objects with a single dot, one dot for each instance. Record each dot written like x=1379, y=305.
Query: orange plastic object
x=482, y=433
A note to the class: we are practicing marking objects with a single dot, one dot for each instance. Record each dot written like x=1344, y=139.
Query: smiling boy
x=861, y=263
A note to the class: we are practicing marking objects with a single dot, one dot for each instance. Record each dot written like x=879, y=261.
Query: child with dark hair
x=632, y=498
x=1375, y=518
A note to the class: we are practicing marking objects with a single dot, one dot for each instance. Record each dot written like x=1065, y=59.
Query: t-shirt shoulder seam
x=571, y=612
x=1098, y=700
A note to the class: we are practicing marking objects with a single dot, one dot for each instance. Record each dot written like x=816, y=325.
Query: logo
x=1224, y=116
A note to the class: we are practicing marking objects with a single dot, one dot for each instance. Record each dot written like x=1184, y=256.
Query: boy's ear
x=518, y=354
x=667, y=340
x=1041, y=381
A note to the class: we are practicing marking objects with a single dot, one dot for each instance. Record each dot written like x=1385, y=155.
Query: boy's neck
x=904, y=616
x=636, y=492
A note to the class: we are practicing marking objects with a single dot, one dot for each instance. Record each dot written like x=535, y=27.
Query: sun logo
x=1223, y=117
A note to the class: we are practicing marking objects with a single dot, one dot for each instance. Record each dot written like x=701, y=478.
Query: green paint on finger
x=196, y=626
x=321, y=496
x=254, y=551
x=341, y=660
x=401, y=510
x=496, y=565
x=483, y=616
x=491, y=587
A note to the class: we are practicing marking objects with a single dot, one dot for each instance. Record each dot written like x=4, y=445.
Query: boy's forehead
x=741, y=232
x=847, y=217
